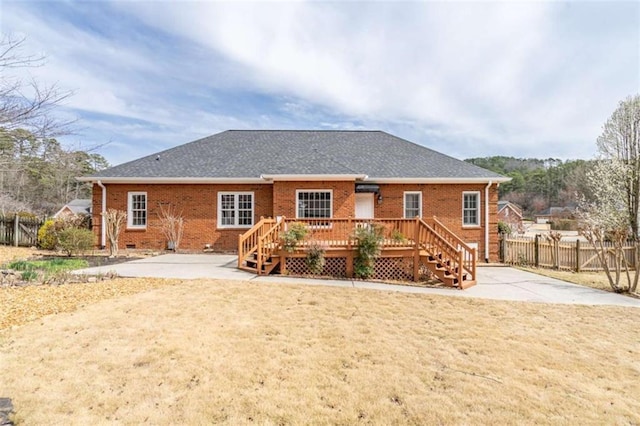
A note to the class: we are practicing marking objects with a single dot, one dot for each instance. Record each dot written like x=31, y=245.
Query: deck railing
x=338, y=233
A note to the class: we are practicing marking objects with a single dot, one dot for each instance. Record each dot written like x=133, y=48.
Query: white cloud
x=479, y=69
x=516, y=78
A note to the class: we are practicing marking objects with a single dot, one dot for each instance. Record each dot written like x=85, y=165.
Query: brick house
x=225, y=183
x=511, y=214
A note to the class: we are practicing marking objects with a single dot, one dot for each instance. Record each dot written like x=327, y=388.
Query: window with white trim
x=412, y=204
x=471, y=208
x=137, y=210
x=235, y=209
x=313, y=204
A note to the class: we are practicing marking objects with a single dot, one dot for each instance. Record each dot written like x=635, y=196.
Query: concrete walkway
x=500, y=283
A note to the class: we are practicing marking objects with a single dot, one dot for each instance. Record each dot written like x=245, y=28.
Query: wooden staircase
x=432, y=246
x=258, y=248
x=267, y=267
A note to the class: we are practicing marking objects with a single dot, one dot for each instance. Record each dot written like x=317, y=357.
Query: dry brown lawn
x=9, y=253
x=588, y=279
x=207, y=351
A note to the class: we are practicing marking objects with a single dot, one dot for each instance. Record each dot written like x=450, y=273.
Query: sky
x=469, y=79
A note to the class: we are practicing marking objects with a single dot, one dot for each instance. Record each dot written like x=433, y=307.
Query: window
x=470, y=208
x=313, y=204
x=412, y=204
x=235, y=209
x=137, y=210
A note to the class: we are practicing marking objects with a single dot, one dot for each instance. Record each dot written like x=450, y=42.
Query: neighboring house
x=74, y=207
x=548, y=215
x=511, y=214
x=224, y=184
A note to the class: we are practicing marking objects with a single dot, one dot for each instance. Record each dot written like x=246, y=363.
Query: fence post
x=503, y=243
x=577, y=255
x=536, y=251
x=16, y=228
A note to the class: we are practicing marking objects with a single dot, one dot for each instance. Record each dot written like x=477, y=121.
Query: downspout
x=103, y=227
x=486, y=222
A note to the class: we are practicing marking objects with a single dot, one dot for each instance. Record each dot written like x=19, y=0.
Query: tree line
x=37, y=174
x=537, y=184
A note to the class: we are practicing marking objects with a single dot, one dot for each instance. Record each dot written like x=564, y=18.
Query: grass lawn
x=206, y=351
x=588, y=279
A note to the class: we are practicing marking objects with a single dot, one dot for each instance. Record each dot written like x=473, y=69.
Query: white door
x=364, y=205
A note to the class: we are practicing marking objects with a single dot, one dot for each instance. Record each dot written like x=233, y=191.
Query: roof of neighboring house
x=77, y=206
x=503, y=204
x=265, y=154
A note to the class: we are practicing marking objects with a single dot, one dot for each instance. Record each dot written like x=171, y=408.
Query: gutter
x=486, y=222
x=103, y=227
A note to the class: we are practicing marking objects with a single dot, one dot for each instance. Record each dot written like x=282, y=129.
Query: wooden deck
x=411, y=249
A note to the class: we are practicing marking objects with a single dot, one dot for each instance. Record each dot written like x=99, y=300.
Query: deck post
x=416, y=250
x=283, y=262
x=240, y=251
x=350, y=259
x=259, y=259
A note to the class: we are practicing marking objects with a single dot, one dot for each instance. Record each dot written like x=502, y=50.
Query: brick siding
x=198, y=203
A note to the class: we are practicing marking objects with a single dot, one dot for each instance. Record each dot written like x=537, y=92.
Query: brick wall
x=445, y=202
x=199, y=206
x=284, y=197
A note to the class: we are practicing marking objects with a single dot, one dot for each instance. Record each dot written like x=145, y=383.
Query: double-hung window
x=137, y=210
x=235, y=209
x=471, y=208
x=412, y=204
x=313, y=204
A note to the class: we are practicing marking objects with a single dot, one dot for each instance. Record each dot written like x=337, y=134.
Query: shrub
x=48, y=235
x=369, y=240
x=49, y=232
x=75, y=240
x=292, y=236
x=315, y=258
x=398, y=236
x=504, y=228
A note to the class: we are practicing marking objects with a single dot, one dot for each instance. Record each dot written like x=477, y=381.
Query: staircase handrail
x=266, y=250
x=469, y=253
x=255, y=232
x=453, y=258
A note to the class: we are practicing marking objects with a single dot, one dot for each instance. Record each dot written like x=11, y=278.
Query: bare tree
x=27, y=104
x=172, y=225
x=114, y=221
x=620, y=140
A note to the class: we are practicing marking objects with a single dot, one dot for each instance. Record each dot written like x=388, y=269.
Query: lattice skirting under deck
x=385, y=268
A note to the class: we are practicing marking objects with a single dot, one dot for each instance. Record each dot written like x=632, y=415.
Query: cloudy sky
x=525, y=79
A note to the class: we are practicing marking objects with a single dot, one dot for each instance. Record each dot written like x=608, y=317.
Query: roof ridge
x=304, y=130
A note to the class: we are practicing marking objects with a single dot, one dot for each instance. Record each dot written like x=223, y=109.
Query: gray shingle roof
x=252, y=153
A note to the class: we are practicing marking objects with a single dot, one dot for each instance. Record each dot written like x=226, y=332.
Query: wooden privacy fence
x=569, y=255
x=19, y=231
